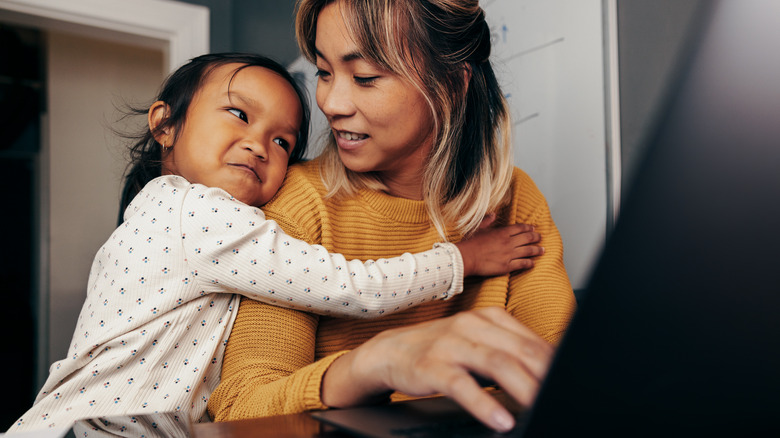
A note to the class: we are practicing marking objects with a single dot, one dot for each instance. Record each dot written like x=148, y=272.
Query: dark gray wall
x=651, y=36
x=264, y=26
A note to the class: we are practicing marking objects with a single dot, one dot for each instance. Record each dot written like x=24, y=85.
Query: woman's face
x=380, y=121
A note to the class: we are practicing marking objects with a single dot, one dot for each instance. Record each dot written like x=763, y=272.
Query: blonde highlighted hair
x=442, y=47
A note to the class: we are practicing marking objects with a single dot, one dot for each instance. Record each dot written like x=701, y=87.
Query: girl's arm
x=233, y=248
x=258, y=380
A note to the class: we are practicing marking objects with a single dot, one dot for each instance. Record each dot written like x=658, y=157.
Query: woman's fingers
x=491, y=343
x=498, y=330
x=455, y=380
x=443, y=356
x=467, y=393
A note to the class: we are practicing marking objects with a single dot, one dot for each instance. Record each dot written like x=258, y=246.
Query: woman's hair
x=442, y=47
x=178, y=91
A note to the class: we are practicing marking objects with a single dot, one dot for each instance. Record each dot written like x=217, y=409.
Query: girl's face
x=238, y=135
x=380, y=121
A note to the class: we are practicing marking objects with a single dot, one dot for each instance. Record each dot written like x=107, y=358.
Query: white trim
x=612, y=101
x=180, y=30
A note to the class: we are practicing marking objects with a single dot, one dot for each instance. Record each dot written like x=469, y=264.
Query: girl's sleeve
x=541, y=297
x=233, y=248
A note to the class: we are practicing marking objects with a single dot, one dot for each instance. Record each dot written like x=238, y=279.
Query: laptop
x=678, y=332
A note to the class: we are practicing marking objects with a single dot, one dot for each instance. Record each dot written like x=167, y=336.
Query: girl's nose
x=256, y=147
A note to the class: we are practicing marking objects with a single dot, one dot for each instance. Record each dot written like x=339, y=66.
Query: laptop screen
x=678, y=330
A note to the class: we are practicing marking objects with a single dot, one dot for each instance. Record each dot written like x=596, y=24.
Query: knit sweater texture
x=276, y=358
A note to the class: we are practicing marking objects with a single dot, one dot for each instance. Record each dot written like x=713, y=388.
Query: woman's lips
x=349, y=140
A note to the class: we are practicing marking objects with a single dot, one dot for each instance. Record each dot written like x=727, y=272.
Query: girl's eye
x=283, y=143
x=365, y=81
x=322, y=74
x=238, y=113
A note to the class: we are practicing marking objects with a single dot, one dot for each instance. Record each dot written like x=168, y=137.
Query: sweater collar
x=398, y=209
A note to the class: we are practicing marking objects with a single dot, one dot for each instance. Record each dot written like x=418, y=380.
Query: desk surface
x=282, y=426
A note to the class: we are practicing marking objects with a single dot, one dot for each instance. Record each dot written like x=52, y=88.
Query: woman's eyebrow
x=352, y=56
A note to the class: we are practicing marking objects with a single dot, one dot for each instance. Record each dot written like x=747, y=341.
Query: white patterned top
x=161, y=301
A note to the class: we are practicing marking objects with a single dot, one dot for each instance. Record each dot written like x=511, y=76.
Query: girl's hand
x=500, y=250
x=443, y=356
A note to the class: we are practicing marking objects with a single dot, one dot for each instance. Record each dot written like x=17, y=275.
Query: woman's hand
x=443, y=356
x=499, y=250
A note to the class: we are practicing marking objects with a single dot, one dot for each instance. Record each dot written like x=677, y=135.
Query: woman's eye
x=238, y=113
x=322, y=74
x=365, y=81
x=283, y=143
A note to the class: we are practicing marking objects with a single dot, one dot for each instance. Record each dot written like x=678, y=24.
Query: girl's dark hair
x=177, y=91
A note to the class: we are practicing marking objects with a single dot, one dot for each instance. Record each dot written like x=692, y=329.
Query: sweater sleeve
x=269, y=366
x=541, y=297
x=233, y=248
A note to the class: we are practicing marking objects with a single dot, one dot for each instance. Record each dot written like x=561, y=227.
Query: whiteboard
x=549, y=58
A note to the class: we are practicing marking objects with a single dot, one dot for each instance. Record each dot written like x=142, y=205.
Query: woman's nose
x=335, y=99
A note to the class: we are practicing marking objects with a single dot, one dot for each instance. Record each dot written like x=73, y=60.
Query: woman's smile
x=349, y=140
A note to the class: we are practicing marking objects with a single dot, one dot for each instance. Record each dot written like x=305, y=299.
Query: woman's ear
x=158, y=114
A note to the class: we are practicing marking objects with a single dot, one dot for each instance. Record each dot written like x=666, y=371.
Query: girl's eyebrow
x=247, y=100
x=256, y=104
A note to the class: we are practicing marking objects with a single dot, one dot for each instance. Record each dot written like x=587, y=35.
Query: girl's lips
x=349, y=140
x=247, y=168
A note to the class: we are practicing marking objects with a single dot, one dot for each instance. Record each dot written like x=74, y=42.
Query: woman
x=419, y=150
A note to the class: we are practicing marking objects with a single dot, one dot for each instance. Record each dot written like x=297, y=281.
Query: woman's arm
x=442, y=356
x=541, y=298
x=408, y=359
x=269, y=366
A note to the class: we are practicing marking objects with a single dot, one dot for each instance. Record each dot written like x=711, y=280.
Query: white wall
x=550, y=60
x=87, y=78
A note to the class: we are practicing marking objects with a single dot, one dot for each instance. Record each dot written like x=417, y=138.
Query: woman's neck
x=405, y=180
x=404, y=184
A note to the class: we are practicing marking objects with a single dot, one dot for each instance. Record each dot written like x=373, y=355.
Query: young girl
x=161, y=296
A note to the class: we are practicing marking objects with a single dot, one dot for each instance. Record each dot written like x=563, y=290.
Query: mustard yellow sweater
x=275, y=357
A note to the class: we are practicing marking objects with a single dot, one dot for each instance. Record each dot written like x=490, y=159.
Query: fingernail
x=502, y=421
